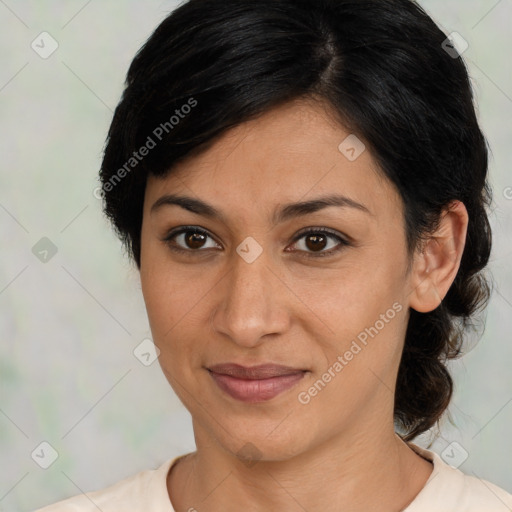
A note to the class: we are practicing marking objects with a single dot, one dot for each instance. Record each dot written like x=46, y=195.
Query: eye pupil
x=194, y=239
x=318, y=242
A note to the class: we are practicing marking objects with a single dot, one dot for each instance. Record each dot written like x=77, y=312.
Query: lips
x=256, y=383
x=262, y=371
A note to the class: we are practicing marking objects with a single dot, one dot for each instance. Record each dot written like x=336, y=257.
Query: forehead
x=297, y=151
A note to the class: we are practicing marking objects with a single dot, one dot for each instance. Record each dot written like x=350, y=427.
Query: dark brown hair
x=385, y=69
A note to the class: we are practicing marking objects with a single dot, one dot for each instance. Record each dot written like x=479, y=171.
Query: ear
x=437, y=261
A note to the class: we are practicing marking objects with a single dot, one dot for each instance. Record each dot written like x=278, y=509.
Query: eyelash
x=309, y=231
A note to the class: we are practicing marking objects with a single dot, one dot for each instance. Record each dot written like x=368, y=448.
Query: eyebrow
x=281, y=214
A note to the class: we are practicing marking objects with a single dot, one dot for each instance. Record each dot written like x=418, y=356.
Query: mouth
x=255, y=383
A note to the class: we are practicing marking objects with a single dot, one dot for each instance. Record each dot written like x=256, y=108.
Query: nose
x=252, y=303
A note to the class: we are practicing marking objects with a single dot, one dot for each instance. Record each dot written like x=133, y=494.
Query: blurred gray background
x=71, y=309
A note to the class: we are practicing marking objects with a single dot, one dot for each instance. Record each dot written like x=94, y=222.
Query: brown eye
x=188, y=238
x=316, y=240
x=194, y=240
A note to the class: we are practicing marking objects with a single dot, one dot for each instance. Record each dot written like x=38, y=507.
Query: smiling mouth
x=256, y=383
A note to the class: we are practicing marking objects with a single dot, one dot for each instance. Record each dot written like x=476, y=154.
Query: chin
x=266, y=444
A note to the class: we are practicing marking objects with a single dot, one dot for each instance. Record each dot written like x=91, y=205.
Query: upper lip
x=262, y=371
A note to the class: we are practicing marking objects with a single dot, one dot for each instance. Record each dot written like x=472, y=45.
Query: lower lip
x=254, y=390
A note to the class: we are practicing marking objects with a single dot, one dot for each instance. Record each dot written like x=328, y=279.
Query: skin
x=339, y=451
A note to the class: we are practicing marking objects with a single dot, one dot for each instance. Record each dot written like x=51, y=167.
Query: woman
x=302, y=186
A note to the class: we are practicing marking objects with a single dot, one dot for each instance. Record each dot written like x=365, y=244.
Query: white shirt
x=447, y=490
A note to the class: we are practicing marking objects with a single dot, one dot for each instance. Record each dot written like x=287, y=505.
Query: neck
x=355, y=473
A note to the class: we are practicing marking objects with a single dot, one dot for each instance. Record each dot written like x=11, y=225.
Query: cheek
x=157, y=302
x=354, y=293
x=175, y=306
x=358, y=312
x=168, y=292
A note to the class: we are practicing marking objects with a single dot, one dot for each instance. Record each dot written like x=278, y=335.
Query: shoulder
x=477, y=494
x=146, y=490
x=450, y=489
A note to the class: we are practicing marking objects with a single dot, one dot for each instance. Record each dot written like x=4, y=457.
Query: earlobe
x=437, y=262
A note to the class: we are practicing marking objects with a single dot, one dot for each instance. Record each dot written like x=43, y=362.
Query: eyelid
x=319, y=229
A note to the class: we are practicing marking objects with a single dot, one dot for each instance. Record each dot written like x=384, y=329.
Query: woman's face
x=255, y=290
